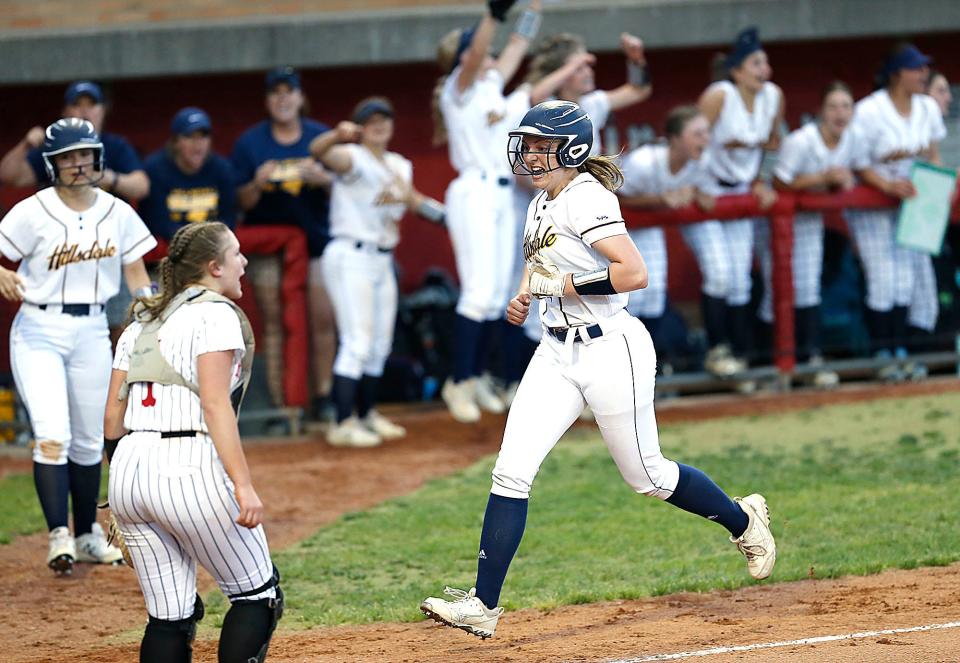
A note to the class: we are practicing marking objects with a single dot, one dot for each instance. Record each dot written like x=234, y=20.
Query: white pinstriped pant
x=614, y=374
x=806, y=261
x=724, y=253
x=650, y=302
x=895, y=276
x=176, y=507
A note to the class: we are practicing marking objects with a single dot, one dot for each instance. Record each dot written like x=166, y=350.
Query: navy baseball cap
x=190, y=119
x=747, y=42
x=908, y=57
x=83, y=88
x=370, y=107
x=280, y=75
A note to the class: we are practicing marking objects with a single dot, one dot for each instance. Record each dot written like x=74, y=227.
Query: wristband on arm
x=528, y=25
x=432, y=210
x=638, y=74
x=596, y=282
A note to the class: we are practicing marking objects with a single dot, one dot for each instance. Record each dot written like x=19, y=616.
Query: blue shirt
x=176, y=198
x=118, y=155
x=286, y=199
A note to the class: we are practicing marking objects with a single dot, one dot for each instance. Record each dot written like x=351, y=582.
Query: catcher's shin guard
x=249, y=625
x=171, y=641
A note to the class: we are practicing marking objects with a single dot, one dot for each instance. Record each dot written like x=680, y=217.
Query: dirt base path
x=307, y=484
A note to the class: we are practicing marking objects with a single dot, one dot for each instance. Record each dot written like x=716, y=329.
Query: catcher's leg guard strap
x=171, y=641
x=247, y=629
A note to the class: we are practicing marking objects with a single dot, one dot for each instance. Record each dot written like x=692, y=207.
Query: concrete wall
x=371, y=37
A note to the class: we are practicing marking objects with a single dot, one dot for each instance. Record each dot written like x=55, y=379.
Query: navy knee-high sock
x=466, y=347
x=344, y=396
x=490, y=336
x=503, y=526
x=697, y=493
x=53, y=487
x=714, y=319
x=84, y=491
x=367, y=394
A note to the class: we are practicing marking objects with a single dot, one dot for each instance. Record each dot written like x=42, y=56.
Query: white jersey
x=192, y=330
x=560, y=232
x=354, y=212
x=887, y=133
x=476, y=131
x=70, y=257
x=646, y=170
x=741, y=164
x=596, y=104
x=804, y=153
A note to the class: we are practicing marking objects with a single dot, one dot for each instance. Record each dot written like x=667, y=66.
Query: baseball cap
x=908, y=57
x=188, y=120
x=747, y=42
x=280, y=75
x=78, y=89
x=370, y=107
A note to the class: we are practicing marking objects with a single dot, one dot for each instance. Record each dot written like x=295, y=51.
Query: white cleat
x=487, y=397
x=62, y=552
x=351, y=433
x=465, y=612
x=756, y=543
x=93, y=548
x=461, y=400
x=720, y=363
x=383, y=427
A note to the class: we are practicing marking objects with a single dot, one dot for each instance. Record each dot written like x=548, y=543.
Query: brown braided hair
x=191, y=248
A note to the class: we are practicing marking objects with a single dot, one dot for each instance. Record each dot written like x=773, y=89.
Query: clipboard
x=923, y=219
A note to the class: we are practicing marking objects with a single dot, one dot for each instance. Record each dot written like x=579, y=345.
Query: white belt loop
x=568, y=344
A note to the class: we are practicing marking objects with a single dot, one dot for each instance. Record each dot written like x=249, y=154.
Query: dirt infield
x=47, y=619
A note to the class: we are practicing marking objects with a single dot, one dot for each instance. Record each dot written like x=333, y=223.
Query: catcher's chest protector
x=147, y=364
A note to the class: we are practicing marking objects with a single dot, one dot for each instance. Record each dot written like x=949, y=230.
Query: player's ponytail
x=605, y=170
x=190, y=251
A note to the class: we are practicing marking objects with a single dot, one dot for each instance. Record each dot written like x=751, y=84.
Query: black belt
x=358, y=245
x=76, y=309
x=560, y=333
x=729, y=185
x=166, y=434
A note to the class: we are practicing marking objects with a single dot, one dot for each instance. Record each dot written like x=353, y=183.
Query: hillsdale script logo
x=533, y=244
x=71, y=253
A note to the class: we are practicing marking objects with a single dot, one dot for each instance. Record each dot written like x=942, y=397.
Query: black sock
x=84, y=492
x=503, y=525
x=714, y=319
x=740, y=323
x=490, y=336
x=898, y=323
x=466, y=346
x=367, y=394
x=697, y=493
x=53, y=487
x=920, y=340
x=344, y=396
x=807, y=326
x=880, y=328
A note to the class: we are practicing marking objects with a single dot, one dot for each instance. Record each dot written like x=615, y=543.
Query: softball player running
x=179, y=487
x=581, y=264
x=373, y=189
x=72, y=241
x=898, y=124
x=670, y=175
x=816, y=157
x=745, y=113
x=471, y=108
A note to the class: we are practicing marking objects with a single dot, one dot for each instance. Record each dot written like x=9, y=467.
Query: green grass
x=20, y=513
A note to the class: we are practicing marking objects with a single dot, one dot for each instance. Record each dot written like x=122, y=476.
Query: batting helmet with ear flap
x=561, y=120
x=67, y=135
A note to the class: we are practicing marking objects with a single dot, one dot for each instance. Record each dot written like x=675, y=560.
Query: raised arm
x=326, y=147
x=473, y=58
x=15, y=170
x=547, y=86
x=519, y=42
x=638, y=86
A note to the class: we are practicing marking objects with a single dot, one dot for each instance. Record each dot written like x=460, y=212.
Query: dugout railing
x=781, y=219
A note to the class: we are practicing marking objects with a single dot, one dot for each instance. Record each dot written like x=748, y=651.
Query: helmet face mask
x=69, y=135
x=562, y=122
x=519, y=149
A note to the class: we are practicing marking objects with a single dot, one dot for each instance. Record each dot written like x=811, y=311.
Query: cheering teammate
x=72, y=240
x=581, y=262
x=179, y=483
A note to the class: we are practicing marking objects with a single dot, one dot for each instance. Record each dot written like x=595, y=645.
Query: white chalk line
x=784, y=643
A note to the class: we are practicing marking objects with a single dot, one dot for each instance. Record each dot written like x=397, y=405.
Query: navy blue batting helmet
x=67, y=135
x=562, y=120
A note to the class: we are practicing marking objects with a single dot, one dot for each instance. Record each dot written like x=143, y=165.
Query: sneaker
x=62, y=552
x=486, y=394
x=93, y=548
x=891, y=371
x=382, y=426
x=756, y=543
x=720, y=363
x=351, y=433
x=465, y=612
x=460, y=399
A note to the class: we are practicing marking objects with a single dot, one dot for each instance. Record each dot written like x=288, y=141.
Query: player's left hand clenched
x=11, y=285
x=251, y=508
x=518, y=308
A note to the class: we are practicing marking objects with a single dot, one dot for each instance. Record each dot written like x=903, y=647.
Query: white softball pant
x=614, y=374
x=480, y=218
x=724, y=253
x=363, y=290
x=176, y=507
x=61, y=366
x=892, y=271
x=650, y=302
x=806, y=261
